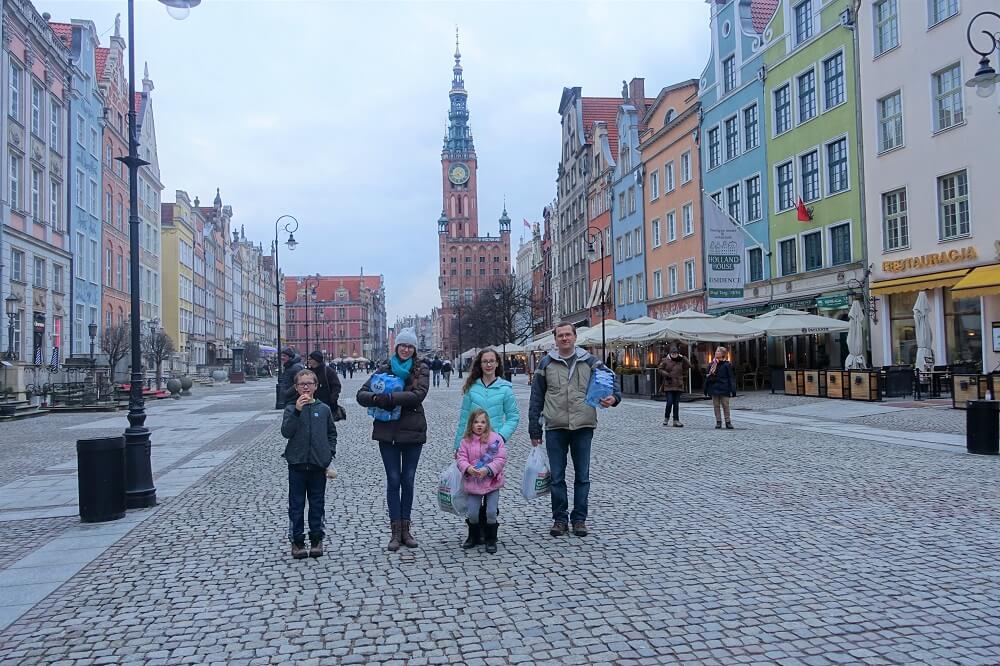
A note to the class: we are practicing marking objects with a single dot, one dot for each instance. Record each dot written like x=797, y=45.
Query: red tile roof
x=327, y=286
x=606, y=109
x=64, y=31
x=101, y=60
x=761, y=12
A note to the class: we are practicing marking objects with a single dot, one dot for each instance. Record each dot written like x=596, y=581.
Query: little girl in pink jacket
x=481, y=458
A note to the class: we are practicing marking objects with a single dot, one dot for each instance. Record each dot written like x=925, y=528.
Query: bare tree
x=502, y=313
x=158, y=347
x=116, y=342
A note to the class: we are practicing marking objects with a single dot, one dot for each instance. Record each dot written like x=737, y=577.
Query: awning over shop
x=982, y=281
x=918, y=282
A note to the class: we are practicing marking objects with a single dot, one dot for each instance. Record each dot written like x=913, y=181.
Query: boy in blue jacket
x=312, y=445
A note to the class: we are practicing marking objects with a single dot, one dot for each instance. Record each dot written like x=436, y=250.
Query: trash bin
x=982, y=427
x=101, y=478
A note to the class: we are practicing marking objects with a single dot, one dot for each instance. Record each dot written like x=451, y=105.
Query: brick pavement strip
x=763, y=545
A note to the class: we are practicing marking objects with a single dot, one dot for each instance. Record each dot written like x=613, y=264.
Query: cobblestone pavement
x=776, y=543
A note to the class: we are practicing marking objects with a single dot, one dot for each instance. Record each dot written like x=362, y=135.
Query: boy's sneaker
x=316, y=548
x=558, y=529
x=580, y=529
x=299, y=551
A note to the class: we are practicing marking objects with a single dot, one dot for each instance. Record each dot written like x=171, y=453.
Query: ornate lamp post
x=10, y=307
x=290, y=228
x=139, y=489
x=310, y=284
x=92, y=331
x=595, y=241
x=985, y=80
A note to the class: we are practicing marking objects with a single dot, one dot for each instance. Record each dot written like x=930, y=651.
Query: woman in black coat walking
x=720, y=383
x=400, y=441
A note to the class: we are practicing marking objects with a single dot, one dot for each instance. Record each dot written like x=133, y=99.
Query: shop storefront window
x=904, y=329
x=963, y=330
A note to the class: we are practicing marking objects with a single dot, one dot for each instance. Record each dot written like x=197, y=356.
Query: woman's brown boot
x=406, y=537
x=394, y=544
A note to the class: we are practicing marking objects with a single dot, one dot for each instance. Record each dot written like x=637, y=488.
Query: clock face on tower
x=458, y=174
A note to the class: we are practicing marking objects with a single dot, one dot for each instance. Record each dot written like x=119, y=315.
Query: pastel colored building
x=150, y=187
x=672, y=206
x=812, y=144
x=604, y=147
x=178, y=275
x=930, y=182
x=734, y=167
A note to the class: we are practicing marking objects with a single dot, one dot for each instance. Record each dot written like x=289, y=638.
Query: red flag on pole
x=803, y=214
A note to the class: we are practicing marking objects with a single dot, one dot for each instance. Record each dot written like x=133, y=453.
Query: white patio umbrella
x=692, y=326
x=925, y=336
x=784, y=322
x=855, y=339
x=739, y=319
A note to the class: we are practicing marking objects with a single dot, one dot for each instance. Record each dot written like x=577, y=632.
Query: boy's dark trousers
x=306, y=481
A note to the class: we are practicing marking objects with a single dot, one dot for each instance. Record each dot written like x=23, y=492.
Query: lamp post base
x=140, y=493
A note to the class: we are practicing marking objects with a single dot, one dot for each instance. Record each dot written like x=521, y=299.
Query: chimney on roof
x=637, y=91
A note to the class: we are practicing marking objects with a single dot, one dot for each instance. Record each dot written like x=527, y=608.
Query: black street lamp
x=290, y=228
x=595, y=241
x=310, y=284
x=985, y=80
x=458, y=314
x=139, y=489
x=10, y=307
x=92, y=330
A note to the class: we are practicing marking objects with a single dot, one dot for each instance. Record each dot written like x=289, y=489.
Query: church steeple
x=458, y=142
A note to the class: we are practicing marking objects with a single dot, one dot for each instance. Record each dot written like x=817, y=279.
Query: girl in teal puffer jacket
x=486, y=389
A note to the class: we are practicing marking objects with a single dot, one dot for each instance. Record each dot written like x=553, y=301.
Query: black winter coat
x=328, y=390
x=286, y=380
x=411, y=427
x=311, y=434
x=723, y=382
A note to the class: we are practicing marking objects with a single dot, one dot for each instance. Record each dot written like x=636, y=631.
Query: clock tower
x=458, y=161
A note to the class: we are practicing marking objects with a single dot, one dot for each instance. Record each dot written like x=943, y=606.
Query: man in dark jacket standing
x=673, y=371
x=328, y=391
x=312, y=445
x=436, y=370
x=291, y=363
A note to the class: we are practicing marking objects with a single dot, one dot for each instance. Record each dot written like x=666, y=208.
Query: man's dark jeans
x=575, y=443
x=400, y=462
x=673, y=402
x=306, y=481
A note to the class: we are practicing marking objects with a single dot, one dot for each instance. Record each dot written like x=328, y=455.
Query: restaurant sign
x=931, y=260
x=831, y=302
x=723, y=252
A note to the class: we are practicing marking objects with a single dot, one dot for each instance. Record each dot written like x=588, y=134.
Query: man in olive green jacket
x=558, y=395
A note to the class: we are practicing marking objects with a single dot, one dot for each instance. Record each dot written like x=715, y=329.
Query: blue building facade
x=627, y=228
x=733, y=162
x=86, y=120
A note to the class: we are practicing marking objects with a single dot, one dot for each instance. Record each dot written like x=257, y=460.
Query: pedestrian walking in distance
x=720, y=383
x=446, y=372
x=400, y=441
x=312, y=445
x=436, y=370
x=558, y=393
x=481, y=459
x=673, y=371
x=486, y=389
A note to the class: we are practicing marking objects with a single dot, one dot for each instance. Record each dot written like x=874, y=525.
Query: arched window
x=669, y=116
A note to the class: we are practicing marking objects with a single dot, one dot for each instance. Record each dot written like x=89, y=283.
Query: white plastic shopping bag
x=451, y=496
x=537, y=477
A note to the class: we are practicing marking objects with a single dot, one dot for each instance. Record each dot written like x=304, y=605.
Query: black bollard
x=101, y=478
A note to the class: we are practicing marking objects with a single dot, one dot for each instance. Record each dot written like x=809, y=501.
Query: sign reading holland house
x=723, y=253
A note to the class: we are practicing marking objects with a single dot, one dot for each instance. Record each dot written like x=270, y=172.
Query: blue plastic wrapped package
x=602, y=385
x=385, y=383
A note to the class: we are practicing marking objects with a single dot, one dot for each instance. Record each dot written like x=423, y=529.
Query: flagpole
x=736, y=223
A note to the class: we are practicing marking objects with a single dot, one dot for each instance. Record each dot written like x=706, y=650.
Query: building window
x=782, y=110
x=714, y=148
x=14, y=194
x=729, y=74
x=786, y=186
x=836, y=166
x=671, y=227
x=619, y=250
x=750, y=130
x=894, y=225
x=655, y=226
x=654, y=185
x=36, y=109
x=621, y=205
x=54, y=200
x=903, y=330
x=840, y=244
x=18, y=319
x=631, y=200
x=963, y=330
x=58, y=277
x=687, y=216
x=890, y=122
x=834, y=92
x=948, y=110
x=809, y=173
x=640, y=288
x=620, y=288
x=786, y=250
x=807, y=95
x=55, y=124
x=686, y=167
x=803, y=21
x=886, y=26
x=734, y=205
x=657, y=284
x=14, y=89
x=109, y=266
x=668, y=177
x=638, y=241
x=689, y=283
x=38, y=279
x=755, y=264
x=752, y=186
x=94, y=259
x=672, y=280
x=953, y=205
x=630, y=289
x=17, y=265
x=36, y=194
x=628, y=245
x=941, y=10
x=732, y=129
x=812, y=250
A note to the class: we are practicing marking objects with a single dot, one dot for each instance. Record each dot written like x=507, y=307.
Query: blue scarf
x=401, y=368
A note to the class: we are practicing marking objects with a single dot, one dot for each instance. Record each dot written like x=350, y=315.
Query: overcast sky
x=334, y=112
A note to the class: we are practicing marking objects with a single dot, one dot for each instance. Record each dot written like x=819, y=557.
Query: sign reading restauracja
x=929, y=260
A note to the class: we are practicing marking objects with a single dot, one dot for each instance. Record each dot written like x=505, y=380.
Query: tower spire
x=458, y=54
x=458, y=141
